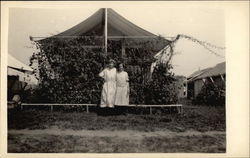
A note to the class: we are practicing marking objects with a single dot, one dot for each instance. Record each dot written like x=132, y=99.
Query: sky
x=203, y=24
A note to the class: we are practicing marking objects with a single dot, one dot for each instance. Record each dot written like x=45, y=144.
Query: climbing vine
x=69, y=67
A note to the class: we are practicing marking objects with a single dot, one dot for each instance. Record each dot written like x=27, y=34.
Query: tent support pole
x=106, y=31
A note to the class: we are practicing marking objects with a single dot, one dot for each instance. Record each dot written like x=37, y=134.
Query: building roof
x=17, y=68
x=197, y=74
x=18, y=65
x=117, y=26
x=219, y=69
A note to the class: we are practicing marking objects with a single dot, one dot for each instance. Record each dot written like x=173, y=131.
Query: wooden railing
x=178, y=106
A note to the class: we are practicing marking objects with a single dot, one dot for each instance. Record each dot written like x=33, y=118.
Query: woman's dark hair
x=111, y=61
x=119, y=63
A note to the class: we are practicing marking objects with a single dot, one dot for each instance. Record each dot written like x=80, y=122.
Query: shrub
x=68, y=70
x=211, y=94
x=161, y=89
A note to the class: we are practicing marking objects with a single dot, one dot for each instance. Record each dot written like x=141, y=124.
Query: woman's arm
x=127, y=79
x=102, y=73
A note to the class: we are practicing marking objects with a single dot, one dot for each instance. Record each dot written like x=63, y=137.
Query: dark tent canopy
x=116, y=26
x=71, y=61
x=108, y=28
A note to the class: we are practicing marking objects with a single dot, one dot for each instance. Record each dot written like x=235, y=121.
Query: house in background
x=181, y=83
x=20, y=77
x=216, y=75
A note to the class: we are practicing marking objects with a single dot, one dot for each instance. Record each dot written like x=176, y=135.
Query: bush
x=68, y=70
x=211, y=95
x=161, y=89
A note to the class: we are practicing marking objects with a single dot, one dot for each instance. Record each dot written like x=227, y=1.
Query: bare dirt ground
x=196, y=130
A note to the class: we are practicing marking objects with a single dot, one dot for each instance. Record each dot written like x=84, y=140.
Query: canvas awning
x=117, y=27
x=18, y=65
x=24, y=72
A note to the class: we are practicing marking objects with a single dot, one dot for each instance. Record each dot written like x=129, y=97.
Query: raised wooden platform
x=178, y=106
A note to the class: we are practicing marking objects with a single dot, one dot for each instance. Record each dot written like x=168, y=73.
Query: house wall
x=198, y=84
x=181, y=83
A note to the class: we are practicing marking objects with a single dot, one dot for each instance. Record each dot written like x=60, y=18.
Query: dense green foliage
x=211, y=94
x=69, y=68
x=161, y=89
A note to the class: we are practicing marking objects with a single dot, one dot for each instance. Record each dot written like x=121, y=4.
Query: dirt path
x=106, y=133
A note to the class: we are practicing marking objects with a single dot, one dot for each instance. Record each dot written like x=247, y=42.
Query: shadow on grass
x=201, y=118
x=75, y=144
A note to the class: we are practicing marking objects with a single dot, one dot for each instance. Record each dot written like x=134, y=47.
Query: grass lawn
x=197, y=129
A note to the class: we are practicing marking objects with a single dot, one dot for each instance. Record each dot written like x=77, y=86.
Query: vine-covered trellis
x=69, y=68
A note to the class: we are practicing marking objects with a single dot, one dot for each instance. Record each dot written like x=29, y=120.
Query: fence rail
x=178, y=106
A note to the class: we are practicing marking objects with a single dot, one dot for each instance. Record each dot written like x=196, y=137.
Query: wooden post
x=51, y=108
x=21, y=107
x=106, y=32
x=87, y=109
x=150, y=110
x=123, y=48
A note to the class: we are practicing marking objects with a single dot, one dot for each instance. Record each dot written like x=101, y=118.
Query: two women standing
x=115, y=89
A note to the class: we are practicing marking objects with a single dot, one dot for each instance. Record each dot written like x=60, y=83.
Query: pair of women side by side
x=115, y=91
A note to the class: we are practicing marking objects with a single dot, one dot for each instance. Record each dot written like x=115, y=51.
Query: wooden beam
x=130, y=105
x=211, y=79
x=39, y=37
x=126, y=37
x=55, y=104
x=222, y=77
x=109, y=37
x=106, y=31
x=178, y=106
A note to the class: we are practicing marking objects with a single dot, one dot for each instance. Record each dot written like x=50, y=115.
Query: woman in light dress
x=109, y=86
x=122, y=87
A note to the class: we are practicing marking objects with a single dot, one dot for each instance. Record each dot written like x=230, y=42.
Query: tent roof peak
x=118, y=26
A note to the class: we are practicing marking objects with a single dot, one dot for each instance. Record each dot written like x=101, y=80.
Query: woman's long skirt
x=108, y=94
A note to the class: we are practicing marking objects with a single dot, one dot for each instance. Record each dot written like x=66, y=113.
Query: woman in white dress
x=122, y=87
x=109, y=86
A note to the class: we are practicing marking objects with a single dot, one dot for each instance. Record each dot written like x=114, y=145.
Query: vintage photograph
x=116, y=80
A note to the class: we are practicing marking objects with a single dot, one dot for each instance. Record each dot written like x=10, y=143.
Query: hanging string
x=201, y=42
x=206, y=45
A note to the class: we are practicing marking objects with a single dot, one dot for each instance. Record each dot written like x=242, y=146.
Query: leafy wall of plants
x=69, y=68
x=211, y=94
